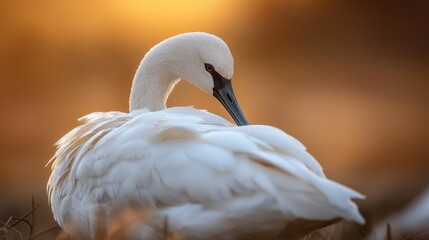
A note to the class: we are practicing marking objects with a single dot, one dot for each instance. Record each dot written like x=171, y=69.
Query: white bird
x=196, y=173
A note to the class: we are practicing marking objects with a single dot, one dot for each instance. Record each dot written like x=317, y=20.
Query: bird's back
x=195, y=172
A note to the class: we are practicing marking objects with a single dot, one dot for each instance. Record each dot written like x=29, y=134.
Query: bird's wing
x=183, y=155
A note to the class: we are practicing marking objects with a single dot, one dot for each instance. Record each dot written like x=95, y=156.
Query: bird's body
x=194, y=171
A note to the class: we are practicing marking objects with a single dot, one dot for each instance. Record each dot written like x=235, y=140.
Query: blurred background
x=347, y=78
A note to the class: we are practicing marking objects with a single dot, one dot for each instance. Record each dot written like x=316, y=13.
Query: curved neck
x=151, y=86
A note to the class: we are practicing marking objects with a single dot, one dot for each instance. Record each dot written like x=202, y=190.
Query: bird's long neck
x=152, y=85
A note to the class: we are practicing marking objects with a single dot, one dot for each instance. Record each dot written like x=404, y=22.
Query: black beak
x=223, y=92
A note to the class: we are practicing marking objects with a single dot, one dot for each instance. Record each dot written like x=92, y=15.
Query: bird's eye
x=209, y=68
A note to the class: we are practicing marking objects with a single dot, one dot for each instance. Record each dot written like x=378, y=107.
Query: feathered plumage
x=188, y=170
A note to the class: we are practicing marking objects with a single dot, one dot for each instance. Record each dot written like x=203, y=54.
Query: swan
x=189, y=171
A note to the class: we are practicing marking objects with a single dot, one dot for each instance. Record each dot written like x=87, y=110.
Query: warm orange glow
x=157, y=17
x=347, y=79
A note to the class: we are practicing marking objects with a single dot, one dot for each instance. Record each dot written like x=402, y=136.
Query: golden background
x=347, y=78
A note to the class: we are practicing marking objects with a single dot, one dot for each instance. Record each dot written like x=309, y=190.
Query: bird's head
x=202, y=59
x=205, y=61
